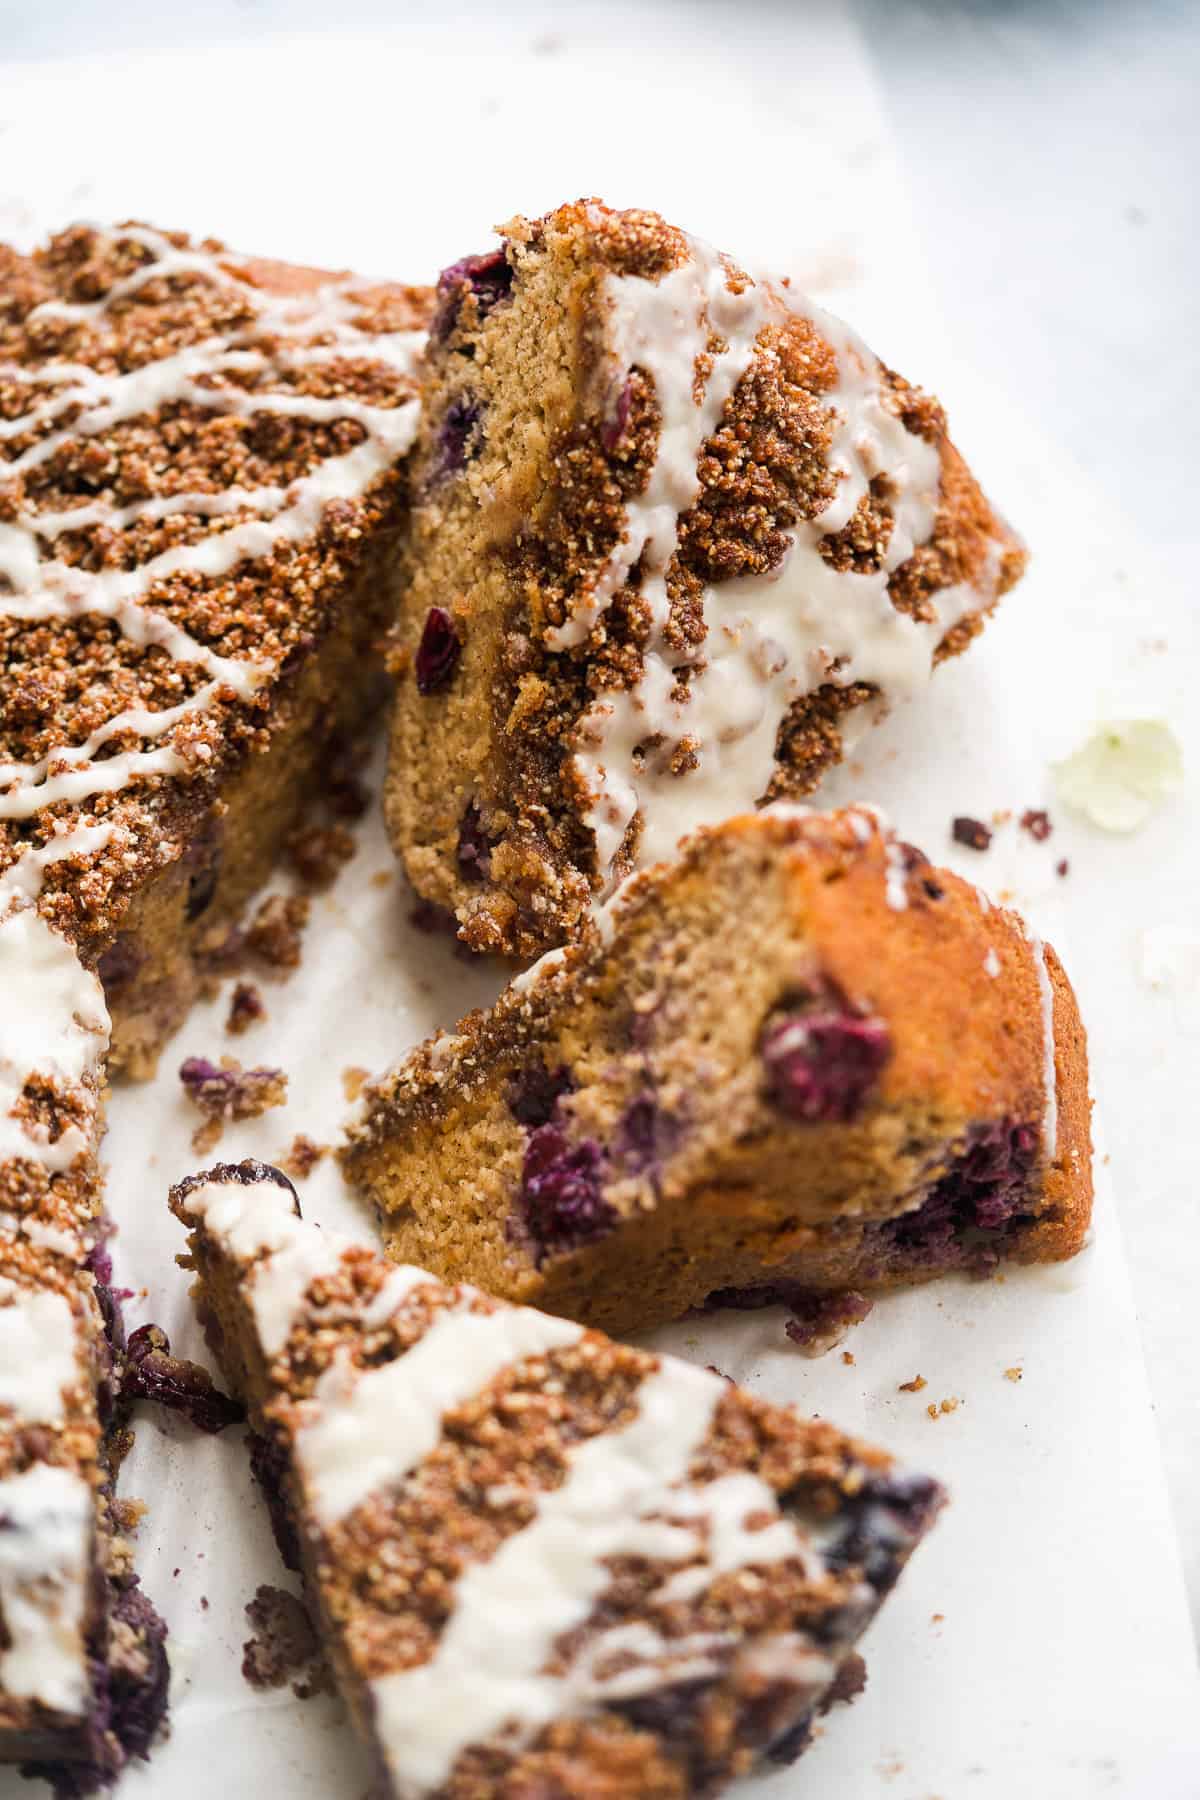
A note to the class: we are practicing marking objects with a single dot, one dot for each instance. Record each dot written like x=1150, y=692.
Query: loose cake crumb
x=151, y=1373
x=284, y=1644
x=318, y=853
x=226, y=1091
x=848, y=1357
x=1036, y=822
x=1016, y=1373
x=971, y=832
x=274, y=935
x=948, y=1405
x=272, y=941
x=246, y=1008
x=303, y=1157
x=914, y=1386
x=354, y=1080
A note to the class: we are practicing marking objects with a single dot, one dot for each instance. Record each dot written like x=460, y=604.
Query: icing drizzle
x=54, y=1022
x=44, y=1546
x=772, y=638
x=625, y=1492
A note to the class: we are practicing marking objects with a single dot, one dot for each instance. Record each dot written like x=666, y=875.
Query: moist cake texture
x=797, y=1062
x=678, y=534
x=202, y=478
x=544, y=1564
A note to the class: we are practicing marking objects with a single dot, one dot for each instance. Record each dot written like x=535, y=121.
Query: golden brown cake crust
x=670, y=1088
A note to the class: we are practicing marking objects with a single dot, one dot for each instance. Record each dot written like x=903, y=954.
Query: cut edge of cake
x=798, y=1062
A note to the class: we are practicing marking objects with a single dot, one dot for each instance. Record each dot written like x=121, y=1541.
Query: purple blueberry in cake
x=562, y=1195
x=474, y=845
x=971, y=1210
x=438, y=652
x=488, y=276
x=152, y=1373
x=822, y=1059
x=534, y=1093
x=457, y=438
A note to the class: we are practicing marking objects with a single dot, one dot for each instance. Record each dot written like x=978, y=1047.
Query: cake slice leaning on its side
x=805, y=1064
x=543, y=1563
x=203, y=474
x=677, y=535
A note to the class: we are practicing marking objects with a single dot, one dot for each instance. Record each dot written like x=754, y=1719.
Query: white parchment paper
x=1039, y=1641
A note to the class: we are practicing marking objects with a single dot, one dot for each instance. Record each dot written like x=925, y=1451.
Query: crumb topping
x=194, y=452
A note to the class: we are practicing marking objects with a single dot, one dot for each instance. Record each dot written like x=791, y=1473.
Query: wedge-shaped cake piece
x=805, y=1062
x=544, y=1564
x=202, y=480
x=83, y=1673
x=679, y=536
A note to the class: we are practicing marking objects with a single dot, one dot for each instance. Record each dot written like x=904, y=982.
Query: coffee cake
x=542, y=1563
x=803, y=1063
x=678, y=535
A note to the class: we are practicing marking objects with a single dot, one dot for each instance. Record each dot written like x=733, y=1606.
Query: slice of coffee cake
x=804, y=1064
x=202, y=480
x=678, y=535
x=543, y=1564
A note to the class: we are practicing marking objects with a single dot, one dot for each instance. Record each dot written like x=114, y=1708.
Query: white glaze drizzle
x=44, y=1567
x=369, y=1429
x=895, y=876
x=256, y=1223
x=625, y=1493
x=991, y=962
x=54, y=1025
x=770, y=639
x=54, y=1022
x=44, y=588
x=621, y=1496
x=1049, y=1062
x=38, y=1352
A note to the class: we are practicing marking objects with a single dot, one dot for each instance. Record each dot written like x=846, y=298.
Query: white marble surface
x=1045, y=154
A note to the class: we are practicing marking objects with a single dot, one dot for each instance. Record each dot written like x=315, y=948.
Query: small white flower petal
x=1122, y=774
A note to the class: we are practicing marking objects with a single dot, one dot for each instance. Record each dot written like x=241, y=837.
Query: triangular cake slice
x=679, y=535
x=804, y=1065
x=544, y=1564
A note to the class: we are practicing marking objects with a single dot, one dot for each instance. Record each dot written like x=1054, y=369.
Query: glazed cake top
x=195, y=449
x=804, y=524
x=371, y=1362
